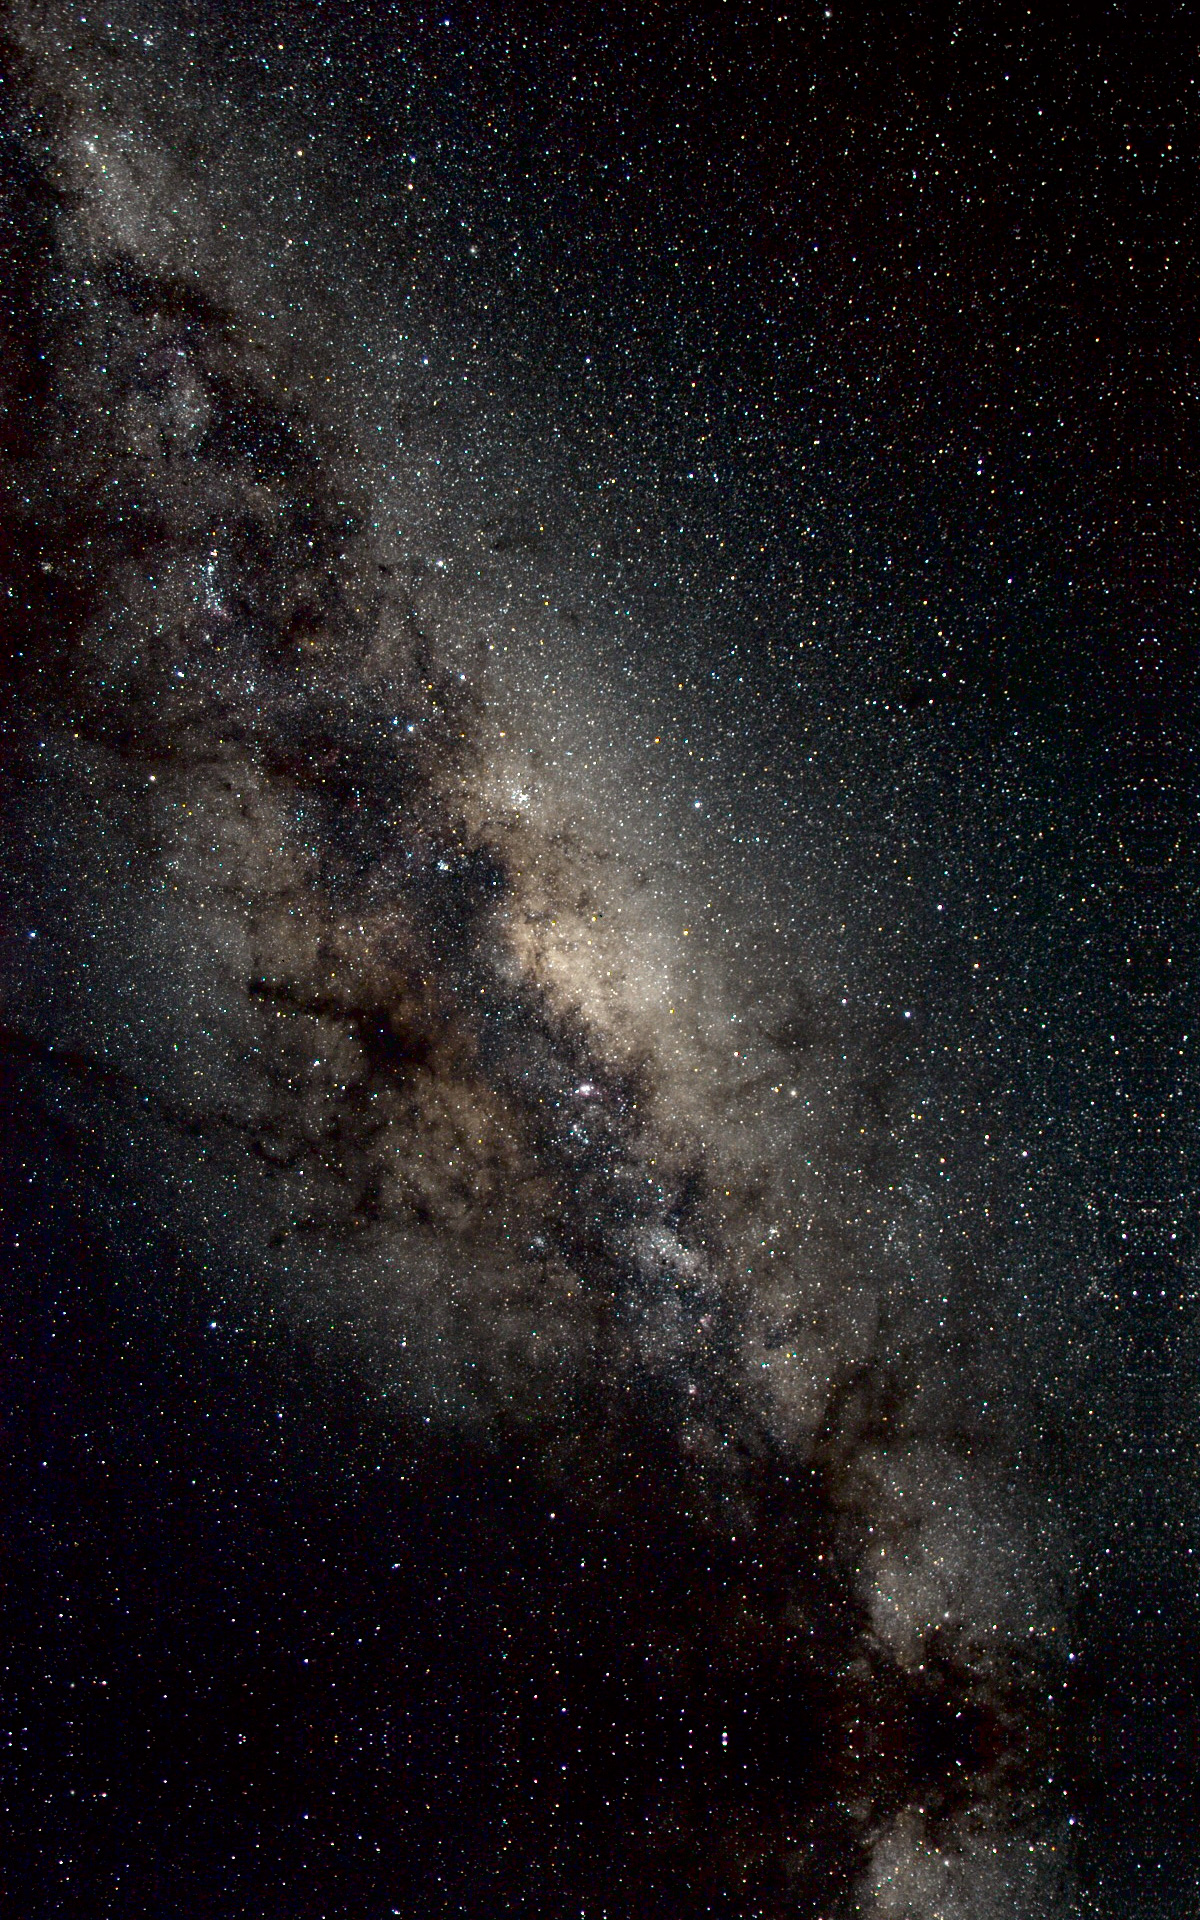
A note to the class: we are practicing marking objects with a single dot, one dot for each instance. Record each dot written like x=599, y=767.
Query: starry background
x=780, y=425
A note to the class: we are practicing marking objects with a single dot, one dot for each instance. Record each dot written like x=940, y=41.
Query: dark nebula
x=541, y=1376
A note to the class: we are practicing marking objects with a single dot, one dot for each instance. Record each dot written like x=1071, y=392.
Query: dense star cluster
x=577, y=1010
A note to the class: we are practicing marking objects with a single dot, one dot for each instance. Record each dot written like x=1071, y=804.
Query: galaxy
x=598, y=762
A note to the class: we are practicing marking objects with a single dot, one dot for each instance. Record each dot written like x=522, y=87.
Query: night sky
x=597, y=1035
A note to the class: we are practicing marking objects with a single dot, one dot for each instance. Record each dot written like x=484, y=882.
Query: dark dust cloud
x=601, y=1276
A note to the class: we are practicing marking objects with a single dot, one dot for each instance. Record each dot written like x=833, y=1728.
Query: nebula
x=521, y=1137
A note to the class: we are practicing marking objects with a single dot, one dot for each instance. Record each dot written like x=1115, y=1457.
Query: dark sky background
x=540, y=543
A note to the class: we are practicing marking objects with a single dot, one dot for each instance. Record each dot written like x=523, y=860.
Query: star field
x=599, y=779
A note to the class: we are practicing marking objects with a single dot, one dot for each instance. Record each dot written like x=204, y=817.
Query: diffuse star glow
x=572, y=1181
